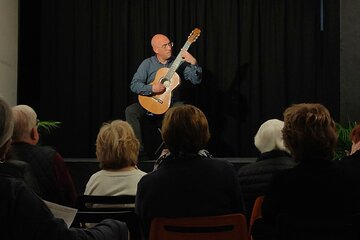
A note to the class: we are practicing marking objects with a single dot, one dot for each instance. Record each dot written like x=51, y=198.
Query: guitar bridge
x=158, y=100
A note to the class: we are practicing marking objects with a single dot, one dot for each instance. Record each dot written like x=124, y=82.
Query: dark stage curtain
x=77, y=58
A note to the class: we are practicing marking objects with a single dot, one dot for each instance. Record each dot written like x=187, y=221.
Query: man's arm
x=192, y=72
x=35, y=220
x=139, y=82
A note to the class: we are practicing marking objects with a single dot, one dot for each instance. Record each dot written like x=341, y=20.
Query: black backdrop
x=77, y=58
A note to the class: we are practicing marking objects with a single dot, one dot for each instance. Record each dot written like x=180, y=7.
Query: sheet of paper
x=60, y=211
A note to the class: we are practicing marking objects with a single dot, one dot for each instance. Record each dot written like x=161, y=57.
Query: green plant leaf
x=48, y=126
x=344, y=142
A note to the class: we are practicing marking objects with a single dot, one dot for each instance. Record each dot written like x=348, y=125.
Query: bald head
x=158, y=40
x=162, y=47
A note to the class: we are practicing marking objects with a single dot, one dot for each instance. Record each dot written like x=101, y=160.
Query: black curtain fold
x=77, y=58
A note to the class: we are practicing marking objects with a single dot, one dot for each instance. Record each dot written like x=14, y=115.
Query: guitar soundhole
x=166, y=82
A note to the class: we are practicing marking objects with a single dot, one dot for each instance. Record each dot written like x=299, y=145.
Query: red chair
x=256, y=212
x=225, y=227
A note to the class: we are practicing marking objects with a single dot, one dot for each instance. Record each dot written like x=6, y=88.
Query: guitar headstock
x=194, y=35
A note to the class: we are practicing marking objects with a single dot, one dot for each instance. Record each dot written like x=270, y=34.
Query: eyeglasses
x=37, y=122
x=170, y=44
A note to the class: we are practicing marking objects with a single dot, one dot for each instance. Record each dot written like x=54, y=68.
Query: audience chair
x=93, y=209
x=256, y=212
x=224, y=227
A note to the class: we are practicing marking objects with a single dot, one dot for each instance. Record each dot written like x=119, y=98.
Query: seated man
x=143, y=80
x=23, y=215
x=53, y=177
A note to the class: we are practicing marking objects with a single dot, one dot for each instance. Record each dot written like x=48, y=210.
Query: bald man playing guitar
x=157, y=77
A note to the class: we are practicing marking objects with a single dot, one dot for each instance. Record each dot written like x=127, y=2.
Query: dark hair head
x=309, y=132
x=185, y=129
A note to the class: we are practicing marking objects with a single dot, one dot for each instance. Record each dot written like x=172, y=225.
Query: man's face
x=163, y=47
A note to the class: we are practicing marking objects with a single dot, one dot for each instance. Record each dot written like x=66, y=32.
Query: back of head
x=185, y=129
x=355, y=134
x=117, y=145
x=309, y=132
x=6, y=123
x=24, y=120
x=269, y=136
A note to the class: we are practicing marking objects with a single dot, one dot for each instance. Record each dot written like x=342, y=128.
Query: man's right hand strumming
x=158, y=87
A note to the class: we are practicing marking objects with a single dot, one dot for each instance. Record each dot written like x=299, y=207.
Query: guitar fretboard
x=178, y=60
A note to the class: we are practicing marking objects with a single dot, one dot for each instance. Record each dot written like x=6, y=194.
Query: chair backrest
x=224, y=227
x=84, y=201
x=256, y=211
x=93, y=209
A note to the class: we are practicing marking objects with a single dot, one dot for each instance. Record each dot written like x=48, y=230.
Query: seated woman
x=117, y=149
x=255, y=177
x=187, y=183
x=315, y=188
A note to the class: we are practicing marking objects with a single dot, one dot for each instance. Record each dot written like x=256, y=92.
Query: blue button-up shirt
x=146, y=72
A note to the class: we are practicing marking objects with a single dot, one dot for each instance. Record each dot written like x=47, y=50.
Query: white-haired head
x=269, y=136
x=25, y=120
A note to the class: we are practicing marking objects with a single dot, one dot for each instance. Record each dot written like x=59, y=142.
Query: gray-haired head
x=269, y=136
x=24, y=120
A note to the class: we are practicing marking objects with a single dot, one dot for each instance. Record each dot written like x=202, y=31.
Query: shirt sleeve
x=139, y=83
x=35, y=221
x=193, y=73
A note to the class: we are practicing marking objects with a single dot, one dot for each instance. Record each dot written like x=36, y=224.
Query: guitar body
x=160, y=103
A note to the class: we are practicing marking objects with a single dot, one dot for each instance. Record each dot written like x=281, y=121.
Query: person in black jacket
x=54, y=180
x=316, y=188
x=255, y=177
x=23, y=215
x=187, y=184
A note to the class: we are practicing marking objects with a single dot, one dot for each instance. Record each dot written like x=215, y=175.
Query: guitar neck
x=177, y=61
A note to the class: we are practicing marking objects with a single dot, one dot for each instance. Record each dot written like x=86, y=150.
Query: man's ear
x=34, y=134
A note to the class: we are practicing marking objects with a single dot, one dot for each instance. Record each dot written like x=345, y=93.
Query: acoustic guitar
x=160, y=103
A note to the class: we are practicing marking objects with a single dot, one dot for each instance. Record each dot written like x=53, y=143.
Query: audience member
x=23, y=215
x=54, y=180
x=187, y=184
x=117, y=149
x=255, y=177
x=316, y=187
x=355, y=139
x=351, y=163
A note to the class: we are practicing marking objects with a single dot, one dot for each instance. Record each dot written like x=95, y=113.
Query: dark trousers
x=133, y=114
